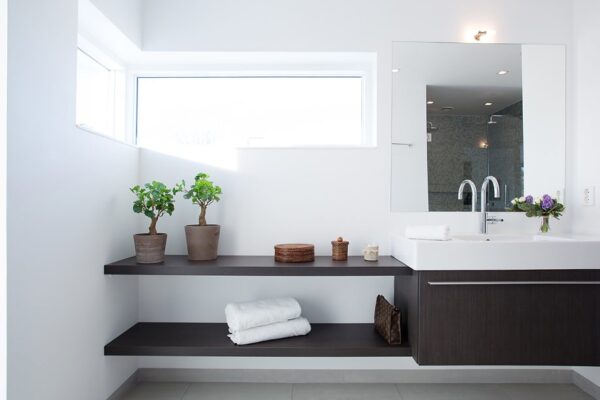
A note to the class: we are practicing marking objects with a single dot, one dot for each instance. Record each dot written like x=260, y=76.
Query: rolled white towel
x=428, y=232
x=252, y=314
x=279, y=330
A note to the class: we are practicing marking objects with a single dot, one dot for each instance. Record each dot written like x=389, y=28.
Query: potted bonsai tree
x=153, y=200
x=202, y=239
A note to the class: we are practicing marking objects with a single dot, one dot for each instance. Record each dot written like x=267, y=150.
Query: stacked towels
x=262, y=320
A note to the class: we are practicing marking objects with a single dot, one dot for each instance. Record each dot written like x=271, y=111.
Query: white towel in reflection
x=279, y=330
x=252, y=314
x=428, y=232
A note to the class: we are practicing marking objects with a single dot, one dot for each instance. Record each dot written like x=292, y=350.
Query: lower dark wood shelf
x=210, y=339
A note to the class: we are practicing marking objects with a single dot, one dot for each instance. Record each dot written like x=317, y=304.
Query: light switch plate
x=589, y=195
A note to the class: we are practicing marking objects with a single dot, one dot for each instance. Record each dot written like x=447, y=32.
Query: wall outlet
x=589, y=195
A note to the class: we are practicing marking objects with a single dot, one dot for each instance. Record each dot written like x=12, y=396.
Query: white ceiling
x=463, y=76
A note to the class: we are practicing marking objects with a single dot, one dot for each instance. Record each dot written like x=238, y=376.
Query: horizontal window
x=259, y=111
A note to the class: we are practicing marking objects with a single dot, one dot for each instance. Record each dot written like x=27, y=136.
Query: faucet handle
x=494, y=220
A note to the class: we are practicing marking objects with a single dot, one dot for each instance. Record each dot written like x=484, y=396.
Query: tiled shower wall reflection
x=467, y=147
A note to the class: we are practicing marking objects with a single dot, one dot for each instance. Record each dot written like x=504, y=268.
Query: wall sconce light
x=479, y=35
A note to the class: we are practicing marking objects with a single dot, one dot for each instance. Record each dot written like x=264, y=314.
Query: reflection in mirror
x=464, y=111
x=472, y=141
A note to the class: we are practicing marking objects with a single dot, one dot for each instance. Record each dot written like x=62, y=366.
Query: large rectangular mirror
x=467, y=111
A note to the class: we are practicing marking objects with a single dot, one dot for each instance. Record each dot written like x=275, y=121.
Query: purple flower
x=547, y=202
x=529, y=199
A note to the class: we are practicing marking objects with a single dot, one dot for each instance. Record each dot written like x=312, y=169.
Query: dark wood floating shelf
x=260, y=266
x=210, y=339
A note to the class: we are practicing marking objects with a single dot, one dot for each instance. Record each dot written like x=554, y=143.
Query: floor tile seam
x=187, y=389
x=396, y=386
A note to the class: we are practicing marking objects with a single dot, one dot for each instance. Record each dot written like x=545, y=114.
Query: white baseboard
x=558, y=375
x=586, y=385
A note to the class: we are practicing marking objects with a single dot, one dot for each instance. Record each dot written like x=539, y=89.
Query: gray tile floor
x=353, y=391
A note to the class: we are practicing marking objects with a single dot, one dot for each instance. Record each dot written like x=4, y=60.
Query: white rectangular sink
x=511, y=238
x=499, y=252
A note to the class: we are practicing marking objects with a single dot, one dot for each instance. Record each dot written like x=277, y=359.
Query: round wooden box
x=294, y=253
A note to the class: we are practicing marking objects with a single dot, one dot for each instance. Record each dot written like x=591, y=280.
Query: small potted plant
x=153, y=200
x=202, y=239
x=544, y=207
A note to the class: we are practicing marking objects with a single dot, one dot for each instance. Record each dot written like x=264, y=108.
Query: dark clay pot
x=150, y=249
x=202, y=241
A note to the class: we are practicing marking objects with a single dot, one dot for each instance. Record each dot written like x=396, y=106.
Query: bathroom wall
x=126, y=15
x=3, y=61
x=544, y=141
x=505, y=150
x=585, y=142
x=68, y=214
x=275, y=195
x=56, y=286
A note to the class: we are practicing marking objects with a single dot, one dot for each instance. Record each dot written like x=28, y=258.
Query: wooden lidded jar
x=294, y=253
x=339, y=249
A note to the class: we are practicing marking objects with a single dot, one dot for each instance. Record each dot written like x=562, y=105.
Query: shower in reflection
x=493, y=121
x=470, y=143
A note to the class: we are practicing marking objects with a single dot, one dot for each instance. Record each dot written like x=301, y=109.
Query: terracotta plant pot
x=150, y=249
x=202, y=241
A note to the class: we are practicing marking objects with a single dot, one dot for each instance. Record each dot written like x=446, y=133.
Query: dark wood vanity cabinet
x=502, y=317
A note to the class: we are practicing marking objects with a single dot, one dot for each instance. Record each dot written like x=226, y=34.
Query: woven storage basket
x=387, y=321
x=294, y=253
x=339, y=249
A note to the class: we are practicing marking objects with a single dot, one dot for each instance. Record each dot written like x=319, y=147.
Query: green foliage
x=154, y=200
x=203, y=192
x=534, y=208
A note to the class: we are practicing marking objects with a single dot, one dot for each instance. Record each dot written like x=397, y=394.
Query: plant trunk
x=152, y=229
x=202, y=219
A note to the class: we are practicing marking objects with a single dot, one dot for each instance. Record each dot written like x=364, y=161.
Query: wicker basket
x=339, y=249
x=294, y=253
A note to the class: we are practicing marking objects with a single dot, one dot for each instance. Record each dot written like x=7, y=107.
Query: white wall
x=586, y=140
x=544, y=94
x=3, y=61
x=126, y=15
x=56, y=286
x=310, y=195
x=68, y=214
x=585, y=104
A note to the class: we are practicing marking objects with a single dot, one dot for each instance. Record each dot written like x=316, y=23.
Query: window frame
x=119, y=110
x=364, y=72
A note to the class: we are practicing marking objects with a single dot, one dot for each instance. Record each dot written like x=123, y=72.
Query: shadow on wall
x=282, y=195
x=170, y=169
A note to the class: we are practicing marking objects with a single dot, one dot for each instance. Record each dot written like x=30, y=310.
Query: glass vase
x=545, y=227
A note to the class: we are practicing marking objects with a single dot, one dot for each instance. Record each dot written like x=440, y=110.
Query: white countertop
x=499, y=252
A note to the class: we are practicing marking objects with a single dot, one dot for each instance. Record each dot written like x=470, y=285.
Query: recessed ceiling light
x=503, y=72
x=394, y=70
x=447, y=108
x=488, y=104
x=430, y=102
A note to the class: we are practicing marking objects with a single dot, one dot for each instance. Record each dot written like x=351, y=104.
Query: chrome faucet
x=473, y=193
x=483, y=197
